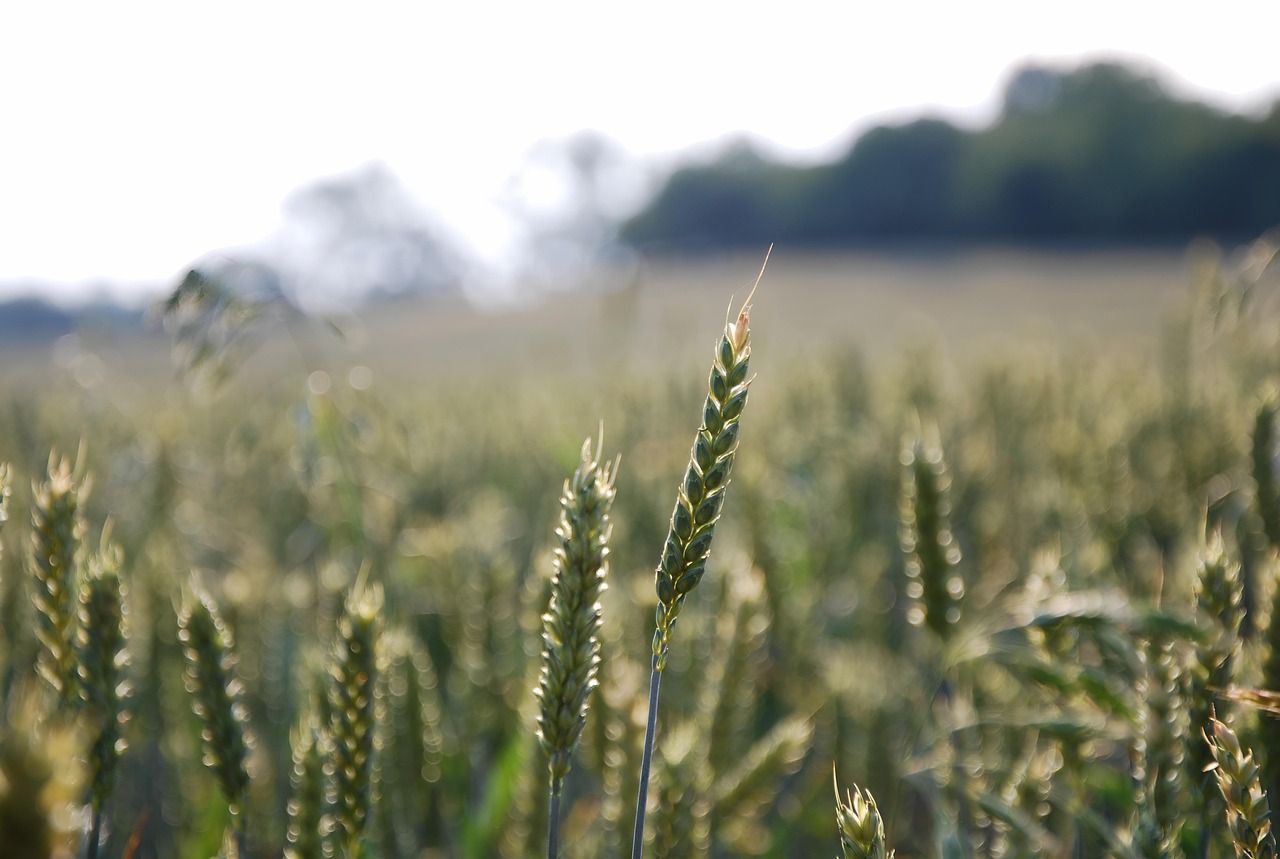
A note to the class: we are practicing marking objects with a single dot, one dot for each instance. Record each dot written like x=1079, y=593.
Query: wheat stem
x=651, y=725
x=699, y=501
x=553, y=823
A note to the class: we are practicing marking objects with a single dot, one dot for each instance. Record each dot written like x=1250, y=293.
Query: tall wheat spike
x=1219, y=597
x=56, y=531
x=412, y=741
x=860, y=825
x=217, y=699
x=1263, y=456
x=353, y=674
x=103, y=662
x=6, y=485
x=934, y=582
x=571, y=625
x=1159, y=754
x=699, y=500
x=1248, y=812
x=306, y=836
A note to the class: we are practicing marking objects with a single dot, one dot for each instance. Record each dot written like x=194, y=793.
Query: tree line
x=1100, y=154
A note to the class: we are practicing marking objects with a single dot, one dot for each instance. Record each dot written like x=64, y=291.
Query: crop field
x=994, y=547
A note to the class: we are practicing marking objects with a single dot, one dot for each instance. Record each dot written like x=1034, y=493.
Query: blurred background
x=446, y=160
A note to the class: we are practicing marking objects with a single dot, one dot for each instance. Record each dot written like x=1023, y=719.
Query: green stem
x=553, y=823
x=95, y=834
x=642, y=796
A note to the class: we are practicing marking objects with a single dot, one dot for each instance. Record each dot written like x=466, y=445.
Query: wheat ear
x=56, y=531
x=699, y=500
x=1248, y=813
x=571, y=625
x=216, y=698
x=1263, y=456
x=307, y=808
x=103, y=661
x=860, y=825
x=1219, y=598
x=353, y=675
x=6, y=483
x=933, y=581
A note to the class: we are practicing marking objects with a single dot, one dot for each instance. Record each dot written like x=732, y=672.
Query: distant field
x=659, y=314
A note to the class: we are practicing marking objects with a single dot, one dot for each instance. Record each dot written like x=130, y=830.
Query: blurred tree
x=1102, y=154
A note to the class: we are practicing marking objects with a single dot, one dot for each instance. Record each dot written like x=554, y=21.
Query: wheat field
x=994, y=544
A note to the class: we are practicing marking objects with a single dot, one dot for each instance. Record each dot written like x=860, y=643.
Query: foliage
x=1102, y=154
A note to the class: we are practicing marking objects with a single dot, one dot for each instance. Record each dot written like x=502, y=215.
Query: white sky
x=136, y=137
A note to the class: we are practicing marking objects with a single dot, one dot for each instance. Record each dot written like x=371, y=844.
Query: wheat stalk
x=1248, y=813
x=699, y=500
x=56, y=531
x=103, y=662
x=216, y=697
x=859, y=823
x=353, y=674
x=571, y=625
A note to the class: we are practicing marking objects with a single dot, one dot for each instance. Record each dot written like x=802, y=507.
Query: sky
x=135, y=137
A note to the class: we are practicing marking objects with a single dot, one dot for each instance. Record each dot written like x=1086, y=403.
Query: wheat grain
x=56, y=531
x=412, y=740
x=1248, y=812
x=700, y=497
x=307, y=809
x=216, y=697
x=353, y=673
x=1219, y=598
x=1159, y=753
x=571, y=625
x=934, y=583
x=859, y=823
x=103, y=662
x=1263, y=458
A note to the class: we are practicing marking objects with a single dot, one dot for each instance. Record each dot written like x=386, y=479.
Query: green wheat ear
x=353, y=675
x=1263, y=457
x=1219, y=597
x=6, y=483
x=216, y=697
x=933, y=579
x=571, y=625
x=1248, y=812
x=700, y=496
x=103, y=663
x=56, y=532
x=860, y=825
x=306, y=835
